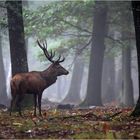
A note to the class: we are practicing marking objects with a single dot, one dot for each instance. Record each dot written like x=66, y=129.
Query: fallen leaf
x=17, y=124
x=106, y=127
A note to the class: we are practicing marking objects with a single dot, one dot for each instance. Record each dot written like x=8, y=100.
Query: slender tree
x=128, y=99
x=16, y=37
x=127, y=91
x=3, y=93
x=97, y=54
x=136, y=15
x=73, y=96
x=108, y=79
x=17, y=40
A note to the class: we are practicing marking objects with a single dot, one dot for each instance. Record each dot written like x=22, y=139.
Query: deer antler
x=50, y=55
x=44, y=48
x=58, y=60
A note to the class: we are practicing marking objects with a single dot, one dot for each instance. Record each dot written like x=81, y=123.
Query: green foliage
x=120, y=20
x=72, y=22
x=68, y=22
x=3, y=19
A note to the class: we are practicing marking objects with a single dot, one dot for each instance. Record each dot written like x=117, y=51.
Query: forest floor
x=96, y=123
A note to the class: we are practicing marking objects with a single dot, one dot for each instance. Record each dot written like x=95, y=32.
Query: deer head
x=55, y=67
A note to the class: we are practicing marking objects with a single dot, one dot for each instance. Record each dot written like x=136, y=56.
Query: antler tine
x=39, y=44
x=62, y=60
x=53, y=53
x=44, y=48
x=46, y=43
x=59, y=58
x=59, y=61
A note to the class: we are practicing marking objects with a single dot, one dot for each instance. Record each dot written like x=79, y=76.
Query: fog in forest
x=97, y=40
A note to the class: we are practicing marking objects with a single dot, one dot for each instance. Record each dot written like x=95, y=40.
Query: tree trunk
x=16, y=37
x=119, y=86
x=128, y=99
x=73, y=96
x=93, y=96
x=136, y=15
x=17, y=42
x=3, y=93
x=108, y=79
x=127, y=91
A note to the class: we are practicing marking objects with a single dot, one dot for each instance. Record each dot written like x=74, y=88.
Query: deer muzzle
x=66, y=72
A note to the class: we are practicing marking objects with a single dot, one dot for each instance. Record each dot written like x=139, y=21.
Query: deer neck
x=49, y=76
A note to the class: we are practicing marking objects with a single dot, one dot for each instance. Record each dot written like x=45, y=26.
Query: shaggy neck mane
x=48, y=74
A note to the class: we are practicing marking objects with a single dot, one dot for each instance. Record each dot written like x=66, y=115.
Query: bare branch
x=79, y=52
x=87, y=44
x=76, y=35
x=116, y=40
x=75, y=26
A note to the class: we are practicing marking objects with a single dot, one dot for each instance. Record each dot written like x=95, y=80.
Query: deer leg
x=12, y=103
x=18, y=104
x=35, y=103
x=39, y=103
x=11, y=106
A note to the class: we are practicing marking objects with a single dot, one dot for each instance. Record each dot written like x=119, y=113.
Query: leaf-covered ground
x=99, y=122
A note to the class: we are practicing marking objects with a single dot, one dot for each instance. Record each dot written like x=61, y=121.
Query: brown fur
x=34, y=83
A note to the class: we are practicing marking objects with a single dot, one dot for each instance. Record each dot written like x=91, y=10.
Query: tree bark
x=16, y=37
x=3, y=93
x=127, y=91
x=128, y=99
x=136, y=15
x=17, y=42
x=108, y=79
x=93, y=96
x=119, y=86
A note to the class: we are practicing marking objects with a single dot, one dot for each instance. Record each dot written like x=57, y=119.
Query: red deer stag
x=35, y=82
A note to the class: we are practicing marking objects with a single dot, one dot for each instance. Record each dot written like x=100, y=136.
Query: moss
x=88, y=135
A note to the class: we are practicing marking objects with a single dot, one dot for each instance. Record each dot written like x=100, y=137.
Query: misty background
x=90, y=35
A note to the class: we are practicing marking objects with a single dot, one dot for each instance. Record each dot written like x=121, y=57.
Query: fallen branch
x=74, y=116
x=112, y=116
x=86, y=115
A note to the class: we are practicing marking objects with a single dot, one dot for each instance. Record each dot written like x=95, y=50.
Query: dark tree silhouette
x=127, y=91
x=108, y=79
x=17, y=40
x=136, y=15
x=97, y=54
x=73, y=96
x=16, y=37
